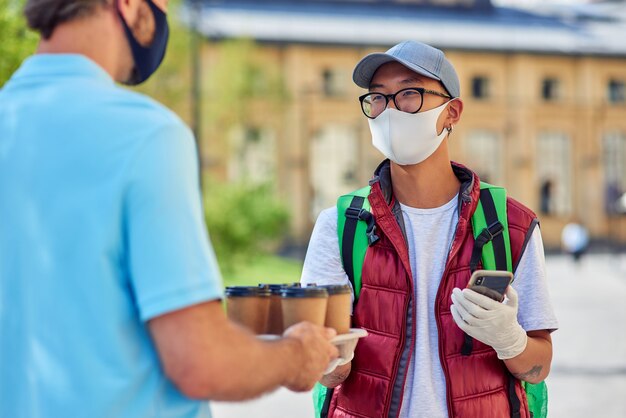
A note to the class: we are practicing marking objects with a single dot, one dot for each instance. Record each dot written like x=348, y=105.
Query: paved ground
x=588, y=376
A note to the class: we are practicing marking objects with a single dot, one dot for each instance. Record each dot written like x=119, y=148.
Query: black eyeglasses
x=409, y=100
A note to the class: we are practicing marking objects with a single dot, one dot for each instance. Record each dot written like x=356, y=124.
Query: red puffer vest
x=477, y=385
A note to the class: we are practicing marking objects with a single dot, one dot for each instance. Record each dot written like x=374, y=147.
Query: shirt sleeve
x=172, y=264
x=322, y=264
x=535, y=308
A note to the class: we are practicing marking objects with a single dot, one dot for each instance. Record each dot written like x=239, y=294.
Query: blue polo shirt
x=101, y=229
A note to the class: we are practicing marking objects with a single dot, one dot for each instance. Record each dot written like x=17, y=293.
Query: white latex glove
x=490, y=322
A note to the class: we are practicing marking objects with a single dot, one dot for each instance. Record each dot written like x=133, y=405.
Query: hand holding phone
x=490, y=322
x=491, y=283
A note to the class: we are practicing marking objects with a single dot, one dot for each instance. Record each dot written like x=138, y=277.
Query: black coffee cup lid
x=304, y=292
x=337, y=289
x=246, y=291
x=273, y=288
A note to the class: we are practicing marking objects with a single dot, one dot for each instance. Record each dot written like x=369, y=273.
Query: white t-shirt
x=429, y=235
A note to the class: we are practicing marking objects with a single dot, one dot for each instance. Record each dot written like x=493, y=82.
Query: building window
x=481, y=87
x=334, y=163
x=334, y=82
x=252, y=135
x=616, y=91
x=545, y=196
x=484, y=154
x=554, y=169
x=550, y=89
x=614, y=162
x=253, y=154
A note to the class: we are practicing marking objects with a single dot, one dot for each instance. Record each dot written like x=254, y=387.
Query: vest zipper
x=411, y=350
x=381, y=201
x=410, y=282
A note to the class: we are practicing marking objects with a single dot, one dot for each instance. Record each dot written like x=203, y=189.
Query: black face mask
x=148, y=58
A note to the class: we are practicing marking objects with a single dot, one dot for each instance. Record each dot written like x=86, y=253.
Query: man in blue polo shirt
x=109, y=287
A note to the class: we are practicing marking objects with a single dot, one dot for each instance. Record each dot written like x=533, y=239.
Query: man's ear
x=455, y=109
x=128, y=9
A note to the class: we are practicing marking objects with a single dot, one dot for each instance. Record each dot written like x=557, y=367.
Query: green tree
x=244, y=221
x=16, y=40
x=239, y=79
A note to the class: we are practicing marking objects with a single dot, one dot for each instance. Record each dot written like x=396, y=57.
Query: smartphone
x=491, y=283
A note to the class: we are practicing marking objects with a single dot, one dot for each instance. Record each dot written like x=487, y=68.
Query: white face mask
x=407, y=138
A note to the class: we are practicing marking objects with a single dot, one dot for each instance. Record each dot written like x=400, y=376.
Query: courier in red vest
x=413, y=299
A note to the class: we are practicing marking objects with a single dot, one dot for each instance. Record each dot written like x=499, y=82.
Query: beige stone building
x=545, y=101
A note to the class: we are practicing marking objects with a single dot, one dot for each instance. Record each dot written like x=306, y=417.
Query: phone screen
x=491, y=283
x=497, y=283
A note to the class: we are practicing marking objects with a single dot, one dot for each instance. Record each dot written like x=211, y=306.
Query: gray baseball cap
x=421, y=58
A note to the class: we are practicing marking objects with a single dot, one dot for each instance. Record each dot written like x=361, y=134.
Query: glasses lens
x=373, y=105
x=409, y=100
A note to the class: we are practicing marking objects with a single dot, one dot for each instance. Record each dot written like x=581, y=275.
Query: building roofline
x=502, y=30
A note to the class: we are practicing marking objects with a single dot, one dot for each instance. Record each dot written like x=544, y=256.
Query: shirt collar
x=62, y=65
x=382, y=174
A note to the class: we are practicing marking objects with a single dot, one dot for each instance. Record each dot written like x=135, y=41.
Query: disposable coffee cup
x=248, y=306
x=339, y=308
x=275, y=318
x=303, y=304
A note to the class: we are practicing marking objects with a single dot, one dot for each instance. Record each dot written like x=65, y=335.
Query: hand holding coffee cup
x=315, y=354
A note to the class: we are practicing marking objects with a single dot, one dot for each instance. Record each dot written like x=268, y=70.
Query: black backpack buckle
x=366, y=216
x=353, y=213
x=494, y=230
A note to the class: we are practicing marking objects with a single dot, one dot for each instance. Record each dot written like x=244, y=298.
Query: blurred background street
x=588, y=377
x=266, y=86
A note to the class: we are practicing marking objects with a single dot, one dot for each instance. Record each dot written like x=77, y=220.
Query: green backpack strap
x=491, y=230
x=354, y=238
x=492, y=245
x=491, y=238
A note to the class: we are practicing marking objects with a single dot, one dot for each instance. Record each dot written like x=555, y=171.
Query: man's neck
x=427, y=185
x=94, y=37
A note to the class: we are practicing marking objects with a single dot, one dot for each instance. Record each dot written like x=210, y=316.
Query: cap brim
x=365, y=69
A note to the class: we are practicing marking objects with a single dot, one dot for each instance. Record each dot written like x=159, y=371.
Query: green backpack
x=357, y=230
